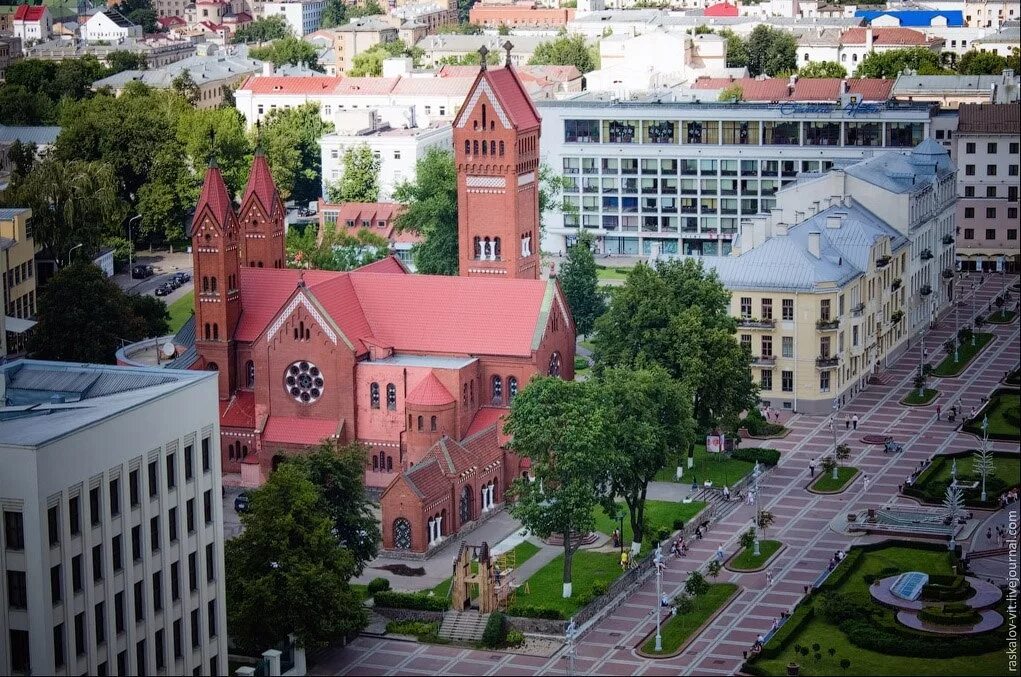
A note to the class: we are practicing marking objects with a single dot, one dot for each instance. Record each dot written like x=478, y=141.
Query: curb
x=692, y=637
x=935, y=397
x=847, y=485
x=762, y=567
x=967, y=364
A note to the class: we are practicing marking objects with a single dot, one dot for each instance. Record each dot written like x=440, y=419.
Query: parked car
x=142, y=271
x=172, y=283
x=182, y=277
x=241, y=502
x=164, y=289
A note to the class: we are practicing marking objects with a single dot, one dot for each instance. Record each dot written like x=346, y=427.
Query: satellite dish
x=169, y=350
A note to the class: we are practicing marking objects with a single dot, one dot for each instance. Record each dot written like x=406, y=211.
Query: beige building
x=357, y=36
x=17, y=261
x=846, y=268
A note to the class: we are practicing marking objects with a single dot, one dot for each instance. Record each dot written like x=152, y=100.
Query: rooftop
x=908, y=84
x=39, y=135
x=884, y=36
x=44, y=401
x=905, y=171
x=203, y=69
x=914, y=17
x=8, y=213
x=989, y=118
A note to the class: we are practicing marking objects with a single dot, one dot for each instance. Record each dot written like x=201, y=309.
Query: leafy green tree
x=981, y=63
x=146, y=18
x=713, y=569
x=1014, y=60
x=21, y=106
x=151, y=312
x=892, y=63
x=291, y=137
x=262, y=29
x=460, y=28
x=564, y=51
x=339, y=474
x=370, y=62
x=82, y=317
x=732, y=93
x=771, y=51
x=431, y=211
x=287, y=573
x=123, y=60
x=336, y=250
x=470, y=59
x=651, y=418
x=737, y=50
x=463, y=7
x=22, y=157
x=696, y=584
x=334, y=14
x=184, y=84
x=370, y=8
x=580, y=282
x=560, y=427
x=822, y=69
x=288, y=50
x=360, y=182
x=503, y=29
x=676, y=316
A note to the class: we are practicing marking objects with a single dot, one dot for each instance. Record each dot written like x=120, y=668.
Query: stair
x=463, y=627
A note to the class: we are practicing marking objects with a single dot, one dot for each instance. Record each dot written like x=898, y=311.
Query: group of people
x=835, y=560
x=679, y=548
x=1001, y=536
x=1008, y=497
x=770, y=414
x=777, y=622
x=850, y=421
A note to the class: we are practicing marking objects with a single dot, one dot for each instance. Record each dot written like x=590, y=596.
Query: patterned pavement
x=802, y=524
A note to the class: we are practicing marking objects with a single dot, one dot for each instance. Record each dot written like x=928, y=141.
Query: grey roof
x=47, y=400
x=908, y=84
x=366, y=23
x=39, y=135
x=186, y=334
x=8, y=213
x=454, y=42
x=437, y=361
x=1005, y=34
x=907, y=171
x=203, y=69
x=118, y=18
x=658, y=17
x=785, y=263
x=6, y=243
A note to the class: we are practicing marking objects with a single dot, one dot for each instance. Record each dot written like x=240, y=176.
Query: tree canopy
x=431, y=211
x=822, y=69
x=565, y=50
x=981, y=63
x=333, y=250
x=580, y=281
x=262, y=29
x=772, y=51
x=892, y=63
x=291, y=137
x=370, y=62
x=360, y=182
x=288, y=50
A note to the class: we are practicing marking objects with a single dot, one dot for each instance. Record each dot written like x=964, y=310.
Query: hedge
x=495, y=632
x=874, y=637
x=843, y=570
x=768, y=457
x=528, y=611
x=378, y=584
x=948, y=616
x=417, y=601
x=783, y=637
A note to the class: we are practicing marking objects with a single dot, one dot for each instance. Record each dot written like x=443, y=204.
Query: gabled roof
x=513, y=97
x=914, y=17
x=30, y=13
x=239, y=411
x=884, y=36
x=214, y=196
x=453, y=458
x=261, y=185
x=427, y=480
x=486, y=417
x=303, y=431
x=804, y=89
x=429, y=392
x=989, y=118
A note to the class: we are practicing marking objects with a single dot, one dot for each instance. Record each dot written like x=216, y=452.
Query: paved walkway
x=802, y=521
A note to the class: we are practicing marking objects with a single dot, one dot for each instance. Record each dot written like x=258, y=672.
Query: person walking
x=939, y=410
x=719, y=553
x=623, y=560
x=854, y=421
x=769, y=578
x=811, y=468
x=847, y=422
x=866, y=484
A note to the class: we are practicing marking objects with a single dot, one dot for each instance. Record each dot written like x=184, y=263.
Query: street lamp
x=71, y=250
x=570, y=634
x=657, y=561
x=985, y=451
x=957, y=333
x=756, y=471
x=131, y=244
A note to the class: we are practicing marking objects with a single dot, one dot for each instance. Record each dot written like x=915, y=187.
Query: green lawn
x=545, y=587
x=747, y=561
x=587, y=344
x=928, y=395
x=865, y=662
x=657, y=514
x=720, y=468
x=180, y=311
x=678, y=629
x=1004, y=412
x=522, y=553
x=932, y=483
x=1001, y=316
x=605, y=273
x=825, y=481
x=361, y=590
x=966, y=352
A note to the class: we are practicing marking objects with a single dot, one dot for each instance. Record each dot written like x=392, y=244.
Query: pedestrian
x=854, y=421
x=939, y=409
x=726, y=493
x=751, y=496
x=972, y=413
x=989, y=534
x=811, y=468
x=664, y=600
x=769, y=578
x=847, y=422
x=866, y=484
x=623, y=560
x=719, y=553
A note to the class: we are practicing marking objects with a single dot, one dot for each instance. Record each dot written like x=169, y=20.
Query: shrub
x=747, y=539
x=782, y=637
x=378, y=584
x=839, y=607
x=684, y=604
x=769, y=457
x=678, y=525
x=417, y=628
x=696, y=584
x=580, y=363
x=847, y=565
x=600, y=587
x=496, y=630
x=514, y=638
x=417, y=601
x=759, y=426
x=529, y=611
x=888, y=640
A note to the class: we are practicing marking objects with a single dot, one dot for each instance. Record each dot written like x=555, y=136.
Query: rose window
x=304, y=382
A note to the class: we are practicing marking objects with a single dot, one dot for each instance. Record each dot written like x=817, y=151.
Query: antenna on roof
x=508, y=46
x=483, y=56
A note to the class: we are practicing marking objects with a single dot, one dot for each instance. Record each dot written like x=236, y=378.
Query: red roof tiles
x=261, y=185
x=281, y=84
x=303, y=431
x=29, y=12
x=721, y=9
x=513, y=97
x=805, y=89
x=427, y=480
x=486, y=417
x=390, y=266
x=884, y=36
x=214, y=196
x=239, y=412
x=429, y=392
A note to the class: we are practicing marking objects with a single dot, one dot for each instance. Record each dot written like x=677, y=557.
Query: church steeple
x=262, y=217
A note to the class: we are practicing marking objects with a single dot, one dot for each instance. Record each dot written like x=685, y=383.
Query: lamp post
x=571, y=633
x=657, y=560
x=131, y=244
x=985, y=450
x=620, y=518
x=71, y=250
x=756, y=471
x=957, y=333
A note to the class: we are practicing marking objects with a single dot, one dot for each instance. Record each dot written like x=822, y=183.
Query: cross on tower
x=483, y=56
x=508, y=46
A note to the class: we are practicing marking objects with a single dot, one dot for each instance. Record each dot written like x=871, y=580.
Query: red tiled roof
x=871, y=89
x=513, y=97
x=239, y=412
x=29, y=12
x=453, y=458
x=168, y=21
x=442, y=86
x=338, y=299
x=214, y=196
x=485, y=417
x=721, y=9
x=390, y=266
x=294, y=430
x=261, y=185
x=427, y=479
x=884, y=36
x=805, y=89
x=366, y=85
x=429, y=392
x=281, y=84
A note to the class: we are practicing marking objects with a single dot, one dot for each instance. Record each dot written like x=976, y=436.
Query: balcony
x=895, y=285
x=947, y=274
x=882, y=261
x=752, y=323
x=825, y=362
x=857, y=310
x=925, y=290
x=897, y=317
x=827, y=325
x=764, y=360
x=926, y=254
x=948, y=239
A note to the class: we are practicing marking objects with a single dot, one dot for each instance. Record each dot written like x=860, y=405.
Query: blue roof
x=914, y=17
x=8, y=213
x=39, y=135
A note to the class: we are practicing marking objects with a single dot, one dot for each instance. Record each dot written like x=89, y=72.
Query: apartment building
x=833, y=281
x=157, y=51
x=679, y=170
x=17, y=261
x=987, y=149
x=951, y=91
x=112, y=543
x=302, y=16
x=360, y=35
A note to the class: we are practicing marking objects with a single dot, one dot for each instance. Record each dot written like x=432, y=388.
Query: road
x=802, y=524
x=165, y=264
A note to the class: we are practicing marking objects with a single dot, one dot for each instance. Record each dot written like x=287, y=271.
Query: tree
x=737, y=50
x=262, y=29
x=747, y=538
x=123, y=60
x=152, y=313
x=981, y=63
x=82, y=317
x=564, y=51
x=892, y=63
x=463, y=7
x=339, y=474
x=460, y=29
x=842, y=453
x=713, y=568
x=334, y=250
x=771, y=51
x=290, y=137
x=186, y=86
x=651, y=416
x=677, y=316
x=288, y=50
x=696, y=584
x=764, y=520
x=72, y=203
x=360, y=182
x=370, y=62
x=287, y=573
x=829, y=464
x=984, y=465
x=560, y=427
x=20, y=106
x=430, y=203
x=580, y=282
x=733, y=93
x=370, y=8
x=503, y=29
x=146, y=18
x=334, y=14
x=470, y=59
x=822, y=69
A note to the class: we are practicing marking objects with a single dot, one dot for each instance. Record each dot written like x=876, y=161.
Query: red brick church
x=418, y=368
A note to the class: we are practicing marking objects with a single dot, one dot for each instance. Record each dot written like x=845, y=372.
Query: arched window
x=464, y=394
x=432, y=424
x=212, y=284
x=512, y=387
x=497, y=390
x=467, y=147
x=483, y=116
x=391, y=397
x=492, y=147
x=496, y=248
x=475, y=147
x=478, y=247
x=205, y=283
x=421, y=422
x=389, y=463
x=485, y=147
x=216, y=331
x=402, y=534
x=471, y=392
x=260, y=264
x=554, y=364
x=501, y=149
x=230, y=451
x=375, y=462
x=250, y=374
x=207, y=331
x=244, y=451
x=212, y=366
x=464, y=508
x=374, y=396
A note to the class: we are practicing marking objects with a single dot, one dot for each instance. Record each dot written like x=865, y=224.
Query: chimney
x=780, y=229
x=869, y=39
x=815, y=244
x=835, y=200
x=267, y=68
x=834, y=220
x=799, y=216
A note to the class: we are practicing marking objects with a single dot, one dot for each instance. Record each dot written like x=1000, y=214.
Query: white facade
x=109, y=26
x=33, y=29
x=113, y=533
x=398, y=150
x=656, y=59
x=303, y=16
